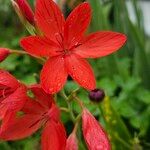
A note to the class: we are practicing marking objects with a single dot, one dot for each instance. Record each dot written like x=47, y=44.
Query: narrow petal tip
x=4, y=52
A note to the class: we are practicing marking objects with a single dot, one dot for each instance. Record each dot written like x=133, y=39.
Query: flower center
x=64, y=52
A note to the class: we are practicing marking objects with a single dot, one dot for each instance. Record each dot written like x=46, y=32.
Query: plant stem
x=78, y=118
x=19, y=52
x=68, y=105
x=101, y=110
x=79, y=101
x=63, y=94
x=123, y=142
x=64, y=109
x=73, y=93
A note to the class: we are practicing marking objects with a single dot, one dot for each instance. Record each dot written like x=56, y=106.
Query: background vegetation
x=125, y=75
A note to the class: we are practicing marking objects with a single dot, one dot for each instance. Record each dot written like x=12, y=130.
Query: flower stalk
x=19, y=52
x=62, y=93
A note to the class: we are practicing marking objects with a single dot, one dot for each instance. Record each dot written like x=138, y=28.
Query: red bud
x=72, y=143
x=26, y=10
x=4, y=52
x=94, y=135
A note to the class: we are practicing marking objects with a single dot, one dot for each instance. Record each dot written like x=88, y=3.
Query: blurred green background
x=125, y=75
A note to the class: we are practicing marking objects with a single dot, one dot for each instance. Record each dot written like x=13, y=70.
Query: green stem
x=71, y=113
x=78, y=118
x=79, y=101
x=101, y=110
x=73, y=93
x=123, y=142
x=62, y=93
x=19, y=52
x=64, y=109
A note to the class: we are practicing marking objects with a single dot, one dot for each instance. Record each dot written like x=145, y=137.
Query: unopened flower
x=96, y=95
x=24, y=9
x=37, y=112
x=12, y=94
x=94, y=135
x=72, y=143
x=4, y=52
x=66, y=46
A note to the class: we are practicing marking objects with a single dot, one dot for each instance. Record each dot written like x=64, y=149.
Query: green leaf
x=116, y=128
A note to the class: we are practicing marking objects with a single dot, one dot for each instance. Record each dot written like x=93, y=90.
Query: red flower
x=4, y=52
x=65, y=45
x=72, y=143
x=37, y=112
x=94, y=135
x=26, y=10
x=12, y=94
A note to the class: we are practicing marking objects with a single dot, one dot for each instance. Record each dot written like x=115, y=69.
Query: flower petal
x=53, y=75
x=8, y=80
x=93, y=133
x=26, y=10
x=76, y=24
x=20, y=127
x=49, y=18
x=14, y=102
x=39, y=46
x=4, y=52
x=54, y=112
x=33, y=107
x=80, y=70
x=72, y=143
x=44, y=99
x=100, y=44
x=54, y=136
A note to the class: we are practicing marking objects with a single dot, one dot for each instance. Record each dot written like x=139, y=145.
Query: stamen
x=3, y=93
x=59, y=38
x=75, y=46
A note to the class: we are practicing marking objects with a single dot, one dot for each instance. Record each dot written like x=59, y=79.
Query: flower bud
x=95, y=136
x=72, y=142
x=4, y=52
x=96, y=95
x=25, y=10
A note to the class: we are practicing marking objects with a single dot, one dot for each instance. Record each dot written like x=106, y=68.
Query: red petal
x=8, y=118
x=8, y=80
x=26, y=10
x=81, y=71
x=20, y=127
x=14, y=102
x=94, y=135
x=76, y=24
x=49, y=18
x=53, y=75
x=43, y=98
x=39, y=46
x=54, y=112
x=100, y=44
x=53, y=136
x=33, y=107
x=72, y=143
x=4, y=52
